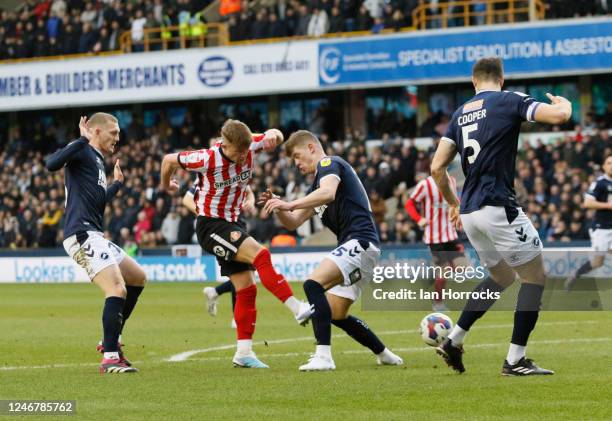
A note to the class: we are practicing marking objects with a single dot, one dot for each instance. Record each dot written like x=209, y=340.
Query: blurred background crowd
x=551, y=180
x=552, y=176
x=58, y=27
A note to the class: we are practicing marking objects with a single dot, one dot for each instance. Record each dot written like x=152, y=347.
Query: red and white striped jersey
x=439, y=229
x=222, y=185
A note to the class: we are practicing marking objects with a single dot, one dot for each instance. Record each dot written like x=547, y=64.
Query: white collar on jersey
x=607, y=178
x=97, y=150
x=488, y=90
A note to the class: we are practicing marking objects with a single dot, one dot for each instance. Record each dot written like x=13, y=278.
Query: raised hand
x=265, y=197
x=118, y=173
x=84, y=129
x=274, y=205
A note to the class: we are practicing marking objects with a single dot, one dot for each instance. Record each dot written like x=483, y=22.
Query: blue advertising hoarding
x=561, y=47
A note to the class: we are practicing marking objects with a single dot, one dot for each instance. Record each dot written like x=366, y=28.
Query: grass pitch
x=48, y=335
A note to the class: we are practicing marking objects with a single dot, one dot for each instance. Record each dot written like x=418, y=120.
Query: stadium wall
x=294, y=264
x=565, y=47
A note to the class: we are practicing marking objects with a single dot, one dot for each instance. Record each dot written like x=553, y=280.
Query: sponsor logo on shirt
x=473, y=106
x=101, y=178
x=243, y=176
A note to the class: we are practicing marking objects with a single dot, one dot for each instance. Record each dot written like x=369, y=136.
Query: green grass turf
x=60, y=324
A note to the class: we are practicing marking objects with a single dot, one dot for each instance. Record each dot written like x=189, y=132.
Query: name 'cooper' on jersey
x=485, y=131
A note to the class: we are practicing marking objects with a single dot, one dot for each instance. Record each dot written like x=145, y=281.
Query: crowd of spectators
x=40, y=28
x=286, y=18
x=551, y=180
x=58, y=27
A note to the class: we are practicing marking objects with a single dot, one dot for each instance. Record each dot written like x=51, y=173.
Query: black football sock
x=585, y=268
x=321, y=318
x=527, y=311
x=133, y=292
x=475, y=308
x=359, y=330
x=225, y=287
x=233, y=299
x=112, y=319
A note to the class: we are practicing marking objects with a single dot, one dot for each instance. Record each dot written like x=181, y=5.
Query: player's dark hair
x=489, y=68
x=98, y=119
x=299, y=138
x=237, y=133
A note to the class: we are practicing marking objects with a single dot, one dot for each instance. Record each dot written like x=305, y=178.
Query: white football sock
x=293, y=304
x=384, y=353
x=244, y=346
x=111, y=355
x=515, y=353
x=324, y=351
x=457, y=335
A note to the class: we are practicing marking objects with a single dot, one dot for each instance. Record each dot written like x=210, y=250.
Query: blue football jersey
x=349, y=215
x=485, y=131
x=86, y=191
x=601, y=190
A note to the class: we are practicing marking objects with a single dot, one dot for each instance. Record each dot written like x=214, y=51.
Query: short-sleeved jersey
x=349, y=215
x=222, y=184
x=485, y=131
x=86, y=194
x=439, y=229
x=601, y=190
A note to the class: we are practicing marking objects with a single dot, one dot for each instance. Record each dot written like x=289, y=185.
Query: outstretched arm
x=267, y=141
x=59, y=158
x=557, y=112
x=326, y=193
x=289, y=219
x=170, y=164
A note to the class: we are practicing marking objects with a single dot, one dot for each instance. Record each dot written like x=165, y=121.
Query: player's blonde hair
x=100, y=119
x=299, y=138
x=237, y=133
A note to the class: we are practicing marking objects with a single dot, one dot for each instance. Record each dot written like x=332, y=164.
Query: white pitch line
x=421, y=348
x=188, y=354
x=306, y=338
x=47, y=366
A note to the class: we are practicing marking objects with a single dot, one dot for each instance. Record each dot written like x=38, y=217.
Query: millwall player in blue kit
x=598, y=197
x=485, y=132
x=338, y=197
x=118, y=275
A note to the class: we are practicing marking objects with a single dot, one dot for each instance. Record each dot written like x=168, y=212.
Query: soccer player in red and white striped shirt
x=438, y=231
x=224, y=171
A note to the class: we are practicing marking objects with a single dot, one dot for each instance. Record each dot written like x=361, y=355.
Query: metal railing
x=463, y=13
x=173, y=37
x=449, y=13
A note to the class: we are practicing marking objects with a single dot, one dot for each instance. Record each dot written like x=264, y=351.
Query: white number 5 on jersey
x=472, y=143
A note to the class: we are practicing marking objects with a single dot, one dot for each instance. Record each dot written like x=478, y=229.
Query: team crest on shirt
x=320, y=210
x=219, y=251
x=326, y=162
x=235, y=236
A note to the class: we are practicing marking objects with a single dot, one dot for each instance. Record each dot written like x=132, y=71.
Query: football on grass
x=435, y=327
